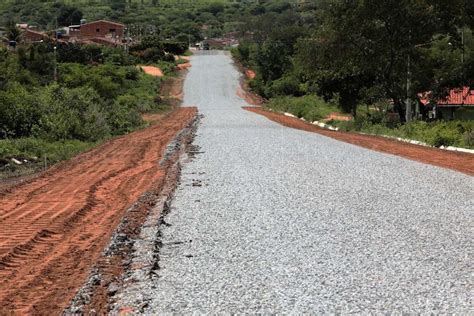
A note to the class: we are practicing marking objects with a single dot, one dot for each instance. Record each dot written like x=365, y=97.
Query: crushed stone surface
x=269, y=219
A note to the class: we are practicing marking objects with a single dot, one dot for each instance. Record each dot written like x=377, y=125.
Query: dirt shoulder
x=172, y=89
x=54, y=228
x=244, y=90
x=461, y=162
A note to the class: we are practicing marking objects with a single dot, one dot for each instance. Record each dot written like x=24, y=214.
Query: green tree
x=67, y=15
x=12, y=32
x=362, y=49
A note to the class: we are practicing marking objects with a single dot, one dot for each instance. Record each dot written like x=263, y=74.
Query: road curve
x=270, y=219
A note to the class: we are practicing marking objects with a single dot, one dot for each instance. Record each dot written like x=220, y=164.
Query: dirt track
x=53, y=228
x=453, y=160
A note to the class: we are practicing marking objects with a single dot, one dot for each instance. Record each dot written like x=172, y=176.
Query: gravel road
x=270, y=219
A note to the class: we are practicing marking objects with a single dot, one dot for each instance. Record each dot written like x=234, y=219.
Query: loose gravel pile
x=269, y=219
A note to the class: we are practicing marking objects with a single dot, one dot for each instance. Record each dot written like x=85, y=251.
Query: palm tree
x=12, y=32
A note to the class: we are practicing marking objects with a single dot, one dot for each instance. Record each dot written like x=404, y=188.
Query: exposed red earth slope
x=54, y=227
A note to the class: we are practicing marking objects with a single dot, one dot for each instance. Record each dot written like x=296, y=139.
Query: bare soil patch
x=336, y=116
x=250, y=73
x=188, y=58
x=54, y=227
x=462, y=162
x=251, y=98
x=184, y=66
x=172, y=88
x=152, y=71
x=153, y=118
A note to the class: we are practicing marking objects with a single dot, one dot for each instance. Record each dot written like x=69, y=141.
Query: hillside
x=170, y=18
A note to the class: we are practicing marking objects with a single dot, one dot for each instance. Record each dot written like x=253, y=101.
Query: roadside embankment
x=458, y=161
x=54, y=228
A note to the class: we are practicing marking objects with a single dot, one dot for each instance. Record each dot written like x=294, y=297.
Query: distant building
x=22, y=26
x=100, y=32
x=459, y=104
x=31, y=36
x=219, y=43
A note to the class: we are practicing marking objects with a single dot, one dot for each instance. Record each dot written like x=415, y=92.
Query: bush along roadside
x=43, y=121
x=310, y=107
x=27, y=155
x=437, y=133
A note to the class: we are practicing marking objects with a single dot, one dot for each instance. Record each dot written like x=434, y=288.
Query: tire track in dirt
x=53, y=228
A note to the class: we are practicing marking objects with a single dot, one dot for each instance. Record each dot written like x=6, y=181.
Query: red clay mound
x=250, y=74
x=462, y=162
x=188, y=58
x=184, y=66
x=152, y=71
x=53, y=229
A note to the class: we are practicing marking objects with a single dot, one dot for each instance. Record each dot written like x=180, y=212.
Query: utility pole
x=408, y=102
x=55, y=64
x=126, y=39
x=55, y=74
x=462, y=44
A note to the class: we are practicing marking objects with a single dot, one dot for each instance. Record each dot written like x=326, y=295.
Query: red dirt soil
x=152, y=118
x=184, y=66
x=338, y=117
x=173, y=87
x=243, y=91
x=188, y=58
x=462, y=162
x=250, y=73
x=152, y=71
x=54, y=227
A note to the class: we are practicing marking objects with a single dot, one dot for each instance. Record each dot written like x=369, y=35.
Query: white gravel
x=270, y=219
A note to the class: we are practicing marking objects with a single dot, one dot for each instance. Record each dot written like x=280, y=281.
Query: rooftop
x=457, y=97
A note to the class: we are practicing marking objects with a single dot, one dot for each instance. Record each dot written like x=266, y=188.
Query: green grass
x=311, y=108
x=439, y=133
x=37, y=153
x=140, y=94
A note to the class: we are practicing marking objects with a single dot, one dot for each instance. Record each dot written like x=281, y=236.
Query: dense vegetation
x=359, y=54
x=186, y=20
x=99, y=92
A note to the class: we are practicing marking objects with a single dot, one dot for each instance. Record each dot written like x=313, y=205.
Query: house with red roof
x=459, y=104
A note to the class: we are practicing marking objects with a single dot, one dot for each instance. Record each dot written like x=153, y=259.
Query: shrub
x=19, y=111
x=36, y=149
x=257, y=86
x=82, y=54
x=175, y=48
x=310, y=107
x=441, y=135
x=123, y=120
x=94, y=125
x=287, y=85
x=169, y=58
x=132, y=73
x=152, y=55
x=468, y=138
x=452, y=133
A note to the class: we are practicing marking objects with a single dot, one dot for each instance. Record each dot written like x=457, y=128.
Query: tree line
x=362, y=51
